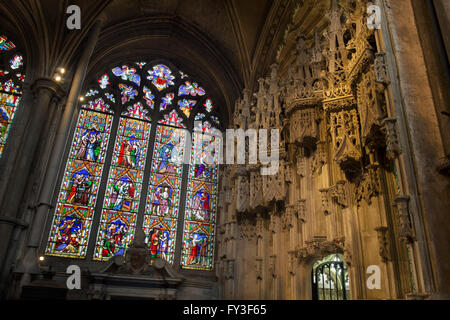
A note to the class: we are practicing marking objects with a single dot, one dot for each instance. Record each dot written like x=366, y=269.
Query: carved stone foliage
x=369, y=185
x=404, y=218
x=319, y=248
x=383, y=243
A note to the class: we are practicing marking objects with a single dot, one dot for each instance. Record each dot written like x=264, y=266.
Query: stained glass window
x=11, y=82
x=200, y=217
x=71, y=226
x=161, y=214
x=151, y=100
x=124, y=184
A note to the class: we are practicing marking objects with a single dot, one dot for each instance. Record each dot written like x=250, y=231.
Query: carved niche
x=344, y=129
x=371, y=107
x=318, y=248
x=303, y=128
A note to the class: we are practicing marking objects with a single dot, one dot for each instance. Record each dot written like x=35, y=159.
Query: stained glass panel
x=161, y=213
x=10, y=92
x=123, y=189
x=161, y=77
x=172, y=119
x=200, y=217
x=72, y=220
x=6, y=45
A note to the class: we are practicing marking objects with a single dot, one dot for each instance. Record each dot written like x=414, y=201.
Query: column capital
x=48, y=84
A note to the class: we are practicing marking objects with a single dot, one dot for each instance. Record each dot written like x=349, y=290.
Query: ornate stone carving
x=259, y=229
x=348, y=255
x=229, y=269
x=383, y=243
x=404, y=218
x=339, y=193
x=319, y=248
x=371, y=108
x=301, y=210
x=319, y=157
x=303, y=86
x=381, y=68
x=256, y=190
x=247, y=230
x=393, y=149
x=137, y=259
x=274, y=223
x=369, y=185
x=288, y=218
x=325, y=202
x=242, y=197
x=344, y=128
x=304, y=129
x=274, y=186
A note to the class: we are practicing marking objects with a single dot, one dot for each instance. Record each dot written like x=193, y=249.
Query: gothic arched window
x=11, y=83
x=162, y=173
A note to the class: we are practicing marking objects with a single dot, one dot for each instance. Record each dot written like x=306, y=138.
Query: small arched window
x=162, y=173
x=11, y=85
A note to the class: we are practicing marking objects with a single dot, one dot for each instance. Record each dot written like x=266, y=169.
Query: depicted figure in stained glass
x=90, y=146
x=129, y=153
x=154, y=243
x=201, y=207
x=162, y=200
x=79, y=188
x=68, y=239
x=166, y=154
x=203, y=251
x=164, y=244
x=123, y=194
x=114, y=236
x=195, y=248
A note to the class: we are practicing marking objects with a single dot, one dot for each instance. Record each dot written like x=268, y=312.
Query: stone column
x=50, y=178
x=44, y=90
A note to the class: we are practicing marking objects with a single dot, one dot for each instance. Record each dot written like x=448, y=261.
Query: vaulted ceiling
x=227, y=44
